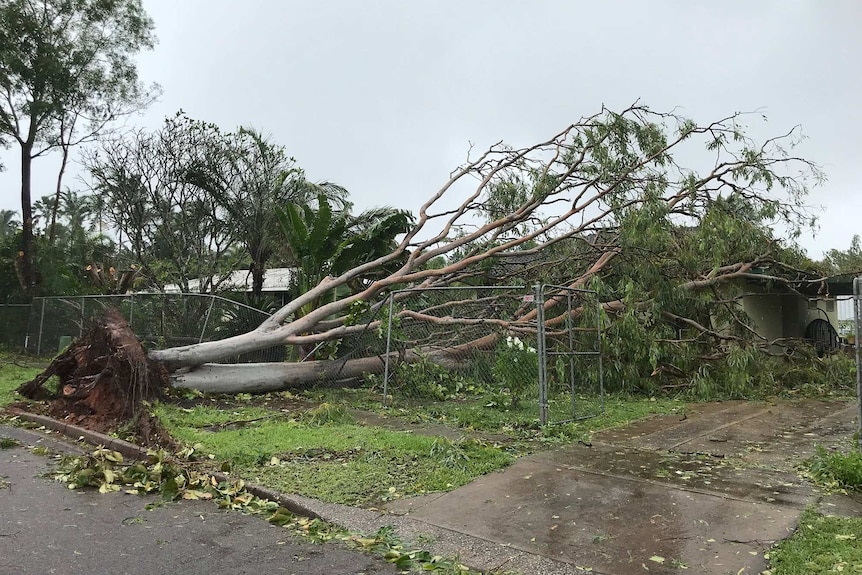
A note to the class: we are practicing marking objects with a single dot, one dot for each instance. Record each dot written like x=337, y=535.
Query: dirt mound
x=104, y=379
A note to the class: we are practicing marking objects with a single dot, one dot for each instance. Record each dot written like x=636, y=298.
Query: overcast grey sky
x=384, y=96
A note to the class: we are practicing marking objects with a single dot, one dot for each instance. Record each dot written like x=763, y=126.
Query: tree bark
x=28, y=268
x=267, y=377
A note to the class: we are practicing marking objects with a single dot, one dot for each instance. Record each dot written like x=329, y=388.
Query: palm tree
x=8, y=225
x=325, y=242
x=248, y=179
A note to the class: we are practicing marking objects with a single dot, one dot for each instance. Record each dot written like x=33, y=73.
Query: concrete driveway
x=709, y=491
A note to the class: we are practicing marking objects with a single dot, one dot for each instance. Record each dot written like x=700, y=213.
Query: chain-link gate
x=512, y=339
x=857, y=315
x=432, y=331
x=571, y=378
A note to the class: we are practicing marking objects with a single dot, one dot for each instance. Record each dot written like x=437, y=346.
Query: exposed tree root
x=104, y=380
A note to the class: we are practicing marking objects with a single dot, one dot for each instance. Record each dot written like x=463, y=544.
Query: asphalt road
x=47, y=528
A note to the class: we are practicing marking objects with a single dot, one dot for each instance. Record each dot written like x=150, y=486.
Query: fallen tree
x=605, y=200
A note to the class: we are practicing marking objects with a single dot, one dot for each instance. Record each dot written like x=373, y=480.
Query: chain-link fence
x=162, y=321
x=538, y=345
x=13, y=318
x=159, y=320
x=441, y=339
x=857, y=316
x=571, y=377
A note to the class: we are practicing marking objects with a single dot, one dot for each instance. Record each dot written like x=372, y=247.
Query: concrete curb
x=77, y=433
x=133, y=451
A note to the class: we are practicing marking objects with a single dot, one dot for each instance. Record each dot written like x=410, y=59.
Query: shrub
x=516, y=367
x=836, y=470
x=424, y=379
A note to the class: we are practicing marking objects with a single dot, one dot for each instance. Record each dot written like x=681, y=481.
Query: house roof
x=274, y=280
x=833, y=286
x=811, y=286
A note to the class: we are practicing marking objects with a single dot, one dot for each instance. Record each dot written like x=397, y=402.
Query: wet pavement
x=710, y=491
x=47, y=528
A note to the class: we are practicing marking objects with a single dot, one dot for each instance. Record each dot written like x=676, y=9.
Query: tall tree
x=65, y=65
x=172, y=228
x=846, y=261
x=249, y=176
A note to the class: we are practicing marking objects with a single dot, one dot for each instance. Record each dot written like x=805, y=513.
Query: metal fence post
x=570, y=328
x=207, y=320
x=857, y=308
x=388, y=347
x=599, y=311
x=542, y=353
x=41, y=323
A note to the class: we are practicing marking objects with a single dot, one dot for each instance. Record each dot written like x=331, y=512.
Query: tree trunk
x=211, y=351
x=267, y=377
x=52, y=233
x=28, y=268
x=257, y=273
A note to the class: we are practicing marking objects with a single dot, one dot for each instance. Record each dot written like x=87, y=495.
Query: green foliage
x=424, y=379
x=846, y=261
x=314, y=238
x=78, y=59
x=821, y=545
x=325, y=242
x=836, y=470
x=516, y=368
x=107, y=470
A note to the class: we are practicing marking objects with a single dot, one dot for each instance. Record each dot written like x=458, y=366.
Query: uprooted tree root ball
x=104, y=379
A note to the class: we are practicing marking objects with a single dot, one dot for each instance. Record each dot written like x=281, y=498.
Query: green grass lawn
x=485, y=413
x=335, y=461
x=322, y=452
x=12, y=374
x=821, y=544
